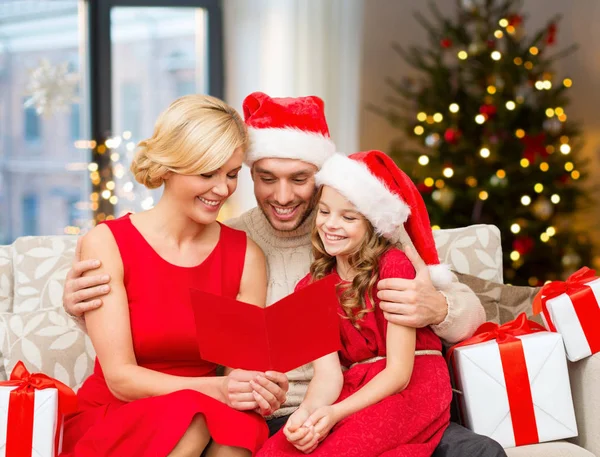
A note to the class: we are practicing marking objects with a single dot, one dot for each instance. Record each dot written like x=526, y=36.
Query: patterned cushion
x=502, y=303
x=474, y=250
x=41, y=264
x=47, y=341
x=6, y=279
x=37, y=331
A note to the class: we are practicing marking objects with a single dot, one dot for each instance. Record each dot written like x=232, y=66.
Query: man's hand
x=269, y=391
x=83, y=294
x=412, y=302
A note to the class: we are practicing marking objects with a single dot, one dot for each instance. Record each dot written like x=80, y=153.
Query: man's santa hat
x=287, y=128
x=388, y=198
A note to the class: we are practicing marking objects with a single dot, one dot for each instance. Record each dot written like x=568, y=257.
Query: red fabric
x=408, y=424
x=21, y=408
x=518, y=388
x=164, y=339
x=302, y=113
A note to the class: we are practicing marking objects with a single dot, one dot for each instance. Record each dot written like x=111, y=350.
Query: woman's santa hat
x=388, y=198
x=287, y=128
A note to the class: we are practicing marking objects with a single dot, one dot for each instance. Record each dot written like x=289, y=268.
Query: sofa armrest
x=585, y=382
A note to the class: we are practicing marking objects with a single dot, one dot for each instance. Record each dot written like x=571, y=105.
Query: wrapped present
x=572, y=308
x=32, y=407
x=515, y=384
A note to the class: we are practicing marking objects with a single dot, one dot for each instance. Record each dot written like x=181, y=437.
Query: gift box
x=571, y=308
x=515, y=384
x=32, y=407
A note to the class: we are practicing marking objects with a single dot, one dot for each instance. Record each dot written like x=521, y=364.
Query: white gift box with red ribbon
x=572, y=308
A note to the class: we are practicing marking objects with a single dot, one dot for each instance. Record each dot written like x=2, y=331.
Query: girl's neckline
x=147, y=243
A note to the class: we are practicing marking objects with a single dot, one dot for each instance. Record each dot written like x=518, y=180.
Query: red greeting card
x=288, y=334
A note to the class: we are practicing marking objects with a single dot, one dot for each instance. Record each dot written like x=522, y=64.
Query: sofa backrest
x=35, y=329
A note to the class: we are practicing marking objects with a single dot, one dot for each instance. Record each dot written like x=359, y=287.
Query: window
x=75, y=122
x=30, y=214
x=125, y=61
x=40, y=51
x=130, y=107
x=32, y=125
x=185, y=88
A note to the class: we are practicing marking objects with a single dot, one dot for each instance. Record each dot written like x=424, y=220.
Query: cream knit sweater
x=289, y=255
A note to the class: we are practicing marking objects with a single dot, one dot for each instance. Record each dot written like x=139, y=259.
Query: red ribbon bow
x=583, y=300
x=19, y=433
x=514, y=368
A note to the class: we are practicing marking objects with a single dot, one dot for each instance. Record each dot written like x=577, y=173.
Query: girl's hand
x=303, y=438
x=323, y=420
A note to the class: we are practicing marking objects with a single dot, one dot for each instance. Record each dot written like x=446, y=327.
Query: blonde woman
x=151, y=394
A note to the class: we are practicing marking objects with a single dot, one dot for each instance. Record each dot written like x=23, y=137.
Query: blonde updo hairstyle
x=196, y=134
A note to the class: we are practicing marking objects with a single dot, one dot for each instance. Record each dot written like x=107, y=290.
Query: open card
x=290, y=333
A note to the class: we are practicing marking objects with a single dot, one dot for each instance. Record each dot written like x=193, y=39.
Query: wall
x=390, y=21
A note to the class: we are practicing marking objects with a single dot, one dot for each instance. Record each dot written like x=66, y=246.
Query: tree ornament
x=551, y=34
x=534, y=146
x=424, y=188
x=444, y=197
x=489, y=111
x=432, y=140
x=446, y=43
x=471, y=5
x=515, y=20
x=553, y=126
x=571, y=260
x=476, y=48
x=543, y=209
x=452, y=135
x=523, y=245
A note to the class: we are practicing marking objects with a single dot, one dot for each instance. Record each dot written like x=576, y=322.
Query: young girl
x=394, y=398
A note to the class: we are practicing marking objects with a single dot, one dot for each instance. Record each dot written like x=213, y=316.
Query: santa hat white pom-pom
x=441, y=276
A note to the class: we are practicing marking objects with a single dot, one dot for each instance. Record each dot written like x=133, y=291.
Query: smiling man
x=289, y=143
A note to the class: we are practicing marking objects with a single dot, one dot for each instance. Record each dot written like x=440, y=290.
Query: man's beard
x=301, y=219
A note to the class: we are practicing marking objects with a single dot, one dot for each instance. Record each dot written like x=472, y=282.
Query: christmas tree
x=489, y=137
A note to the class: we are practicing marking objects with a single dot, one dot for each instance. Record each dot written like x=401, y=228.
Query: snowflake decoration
x=51, y=88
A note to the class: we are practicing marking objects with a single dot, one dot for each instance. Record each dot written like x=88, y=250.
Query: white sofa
x=35, y=329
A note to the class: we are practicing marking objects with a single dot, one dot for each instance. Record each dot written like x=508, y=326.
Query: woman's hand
x=302, y=438
x=252, y=390
x=270, y=391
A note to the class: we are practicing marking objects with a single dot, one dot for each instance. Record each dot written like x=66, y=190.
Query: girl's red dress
x=407, y=424
x=164, y=339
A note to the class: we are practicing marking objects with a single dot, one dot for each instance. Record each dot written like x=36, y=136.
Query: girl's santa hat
x=287, y=128
x=388, y=198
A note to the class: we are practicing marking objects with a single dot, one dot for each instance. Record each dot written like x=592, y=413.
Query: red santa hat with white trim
x=388, y=198
x=287, y=128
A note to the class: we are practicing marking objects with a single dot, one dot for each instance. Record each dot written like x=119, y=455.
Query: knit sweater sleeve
x=465, y=313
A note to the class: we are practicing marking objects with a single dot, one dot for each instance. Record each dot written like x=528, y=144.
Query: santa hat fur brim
x=288, y=143
x=384, y=209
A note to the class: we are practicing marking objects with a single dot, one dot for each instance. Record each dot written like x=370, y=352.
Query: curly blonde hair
x=196, y=134
x=364, y=261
